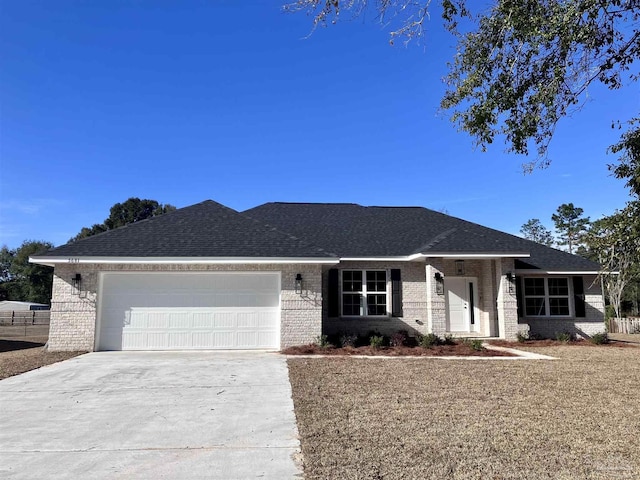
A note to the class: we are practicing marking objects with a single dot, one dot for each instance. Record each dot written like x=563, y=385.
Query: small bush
x=322, y=341
x=399, y=339
x=522, y=337
x=599, y=338
x=347, y=340
x=476, y=345
x=429, y=340
x=564, y=337
x=376, y=341
x=449, y=340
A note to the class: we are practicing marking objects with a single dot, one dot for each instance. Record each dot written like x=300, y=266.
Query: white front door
x=460, y=300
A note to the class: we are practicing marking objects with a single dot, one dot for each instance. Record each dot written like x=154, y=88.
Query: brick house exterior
x=328, y=271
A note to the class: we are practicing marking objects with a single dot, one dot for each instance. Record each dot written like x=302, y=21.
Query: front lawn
x=574, y=417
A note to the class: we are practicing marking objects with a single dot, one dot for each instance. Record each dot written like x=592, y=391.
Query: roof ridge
x=305, y=203
x=434, y=241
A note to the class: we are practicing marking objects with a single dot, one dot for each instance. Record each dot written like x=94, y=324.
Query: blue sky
x=182, y=101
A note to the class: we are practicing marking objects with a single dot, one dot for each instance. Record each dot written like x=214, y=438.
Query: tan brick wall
x=74, y=311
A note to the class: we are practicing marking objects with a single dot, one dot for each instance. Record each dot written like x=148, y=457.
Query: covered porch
x=472, y=296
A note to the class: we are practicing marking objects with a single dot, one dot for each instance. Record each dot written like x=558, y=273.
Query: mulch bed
x=17, y=357
x=557, y=343
x=458, y=350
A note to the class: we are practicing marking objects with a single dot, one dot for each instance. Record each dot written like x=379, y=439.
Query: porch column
x=436, y=313
x=507, y=302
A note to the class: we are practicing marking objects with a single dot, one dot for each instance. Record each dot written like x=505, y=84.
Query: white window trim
x=546, y=297
x=364, y=292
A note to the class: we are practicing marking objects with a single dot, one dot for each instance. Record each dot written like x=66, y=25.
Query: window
x=364, y=293
x=546, y=297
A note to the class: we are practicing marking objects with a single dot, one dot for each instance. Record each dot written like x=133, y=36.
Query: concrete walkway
x=151, y=415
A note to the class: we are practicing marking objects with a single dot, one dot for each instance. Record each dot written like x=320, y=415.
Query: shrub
x=376, y=341
x=476, y=345
x=348, y=340
x=322, y=341
x=449, y=340
x=609, y=312
x=399, y=339
x=522, y=337
x=599, y=338
x=564, y=337
x=429, y=340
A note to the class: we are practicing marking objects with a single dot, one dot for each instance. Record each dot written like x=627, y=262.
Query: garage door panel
x=143, y=311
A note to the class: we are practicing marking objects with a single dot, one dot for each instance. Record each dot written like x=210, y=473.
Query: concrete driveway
x=155, y=415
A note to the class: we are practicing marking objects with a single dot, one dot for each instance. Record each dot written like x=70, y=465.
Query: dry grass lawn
x=577, y=417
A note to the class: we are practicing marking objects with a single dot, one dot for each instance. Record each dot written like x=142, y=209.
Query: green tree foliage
x=523, y=65
x=131, y=211
x=24, y=281
x=571, y=226
x=616, y=242
x=534, y=230
x=629, y=167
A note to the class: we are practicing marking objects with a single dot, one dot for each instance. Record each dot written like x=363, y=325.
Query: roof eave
x=52, y=261
x=535, y=271
x=472, y=255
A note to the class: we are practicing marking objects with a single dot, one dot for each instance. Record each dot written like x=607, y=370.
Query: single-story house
x=282, y=274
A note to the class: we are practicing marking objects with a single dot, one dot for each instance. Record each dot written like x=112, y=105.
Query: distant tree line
x=131, y=211
x=613, y=241
x=28, y=282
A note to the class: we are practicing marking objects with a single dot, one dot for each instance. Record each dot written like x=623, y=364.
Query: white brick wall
x=304, y=317
x=414, y=302
x=424, y=309
x=74, y=311
x=593, y=322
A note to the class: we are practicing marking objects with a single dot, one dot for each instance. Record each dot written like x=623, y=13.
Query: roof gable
x=206, y=229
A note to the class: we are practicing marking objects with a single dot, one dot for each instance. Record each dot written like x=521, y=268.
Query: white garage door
x=186, y=311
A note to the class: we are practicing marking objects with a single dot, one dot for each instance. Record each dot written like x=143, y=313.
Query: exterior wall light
x=459, y=267
x=439, y=283
x=75, y=281
x=511, y=278
x=298, y=283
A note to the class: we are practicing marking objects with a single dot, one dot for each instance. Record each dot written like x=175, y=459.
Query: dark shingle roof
x=313, y=230
x=207, y=229
x=350, y=230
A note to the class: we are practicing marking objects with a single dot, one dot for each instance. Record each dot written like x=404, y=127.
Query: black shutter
x=334, y=293
x=578, y=296
x=396, y=293
x=519, y=300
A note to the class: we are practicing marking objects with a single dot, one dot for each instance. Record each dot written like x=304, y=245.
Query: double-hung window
x=546, y=297
x=364, y=293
